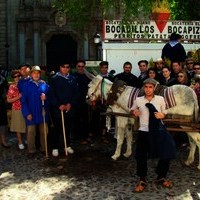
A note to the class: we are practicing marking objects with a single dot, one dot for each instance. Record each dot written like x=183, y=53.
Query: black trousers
x=57, y=134
x=81, y=130
x=143, y=151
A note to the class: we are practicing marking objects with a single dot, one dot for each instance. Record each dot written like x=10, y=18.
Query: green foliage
x=151, y=63
x=80, y=12
x=185, y=10
x=107, y=6
x=84, y=12
x=195, y=54
x=126, y=10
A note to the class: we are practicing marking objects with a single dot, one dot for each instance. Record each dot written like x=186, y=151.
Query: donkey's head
x=94, y=90
x=98, y=89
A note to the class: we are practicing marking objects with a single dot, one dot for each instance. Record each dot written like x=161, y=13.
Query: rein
x=102, y=95
x=96, y=88
x=122, y=107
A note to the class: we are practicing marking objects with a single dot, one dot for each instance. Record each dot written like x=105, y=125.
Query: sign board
x=149, y=30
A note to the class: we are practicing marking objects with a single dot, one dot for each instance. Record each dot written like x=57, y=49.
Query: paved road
x=89, y=174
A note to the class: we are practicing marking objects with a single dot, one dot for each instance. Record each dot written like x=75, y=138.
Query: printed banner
x=150, y=30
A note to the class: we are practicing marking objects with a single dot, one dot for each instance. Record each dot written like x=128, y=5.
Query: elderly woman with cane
x=35, y=110
x=63, y=96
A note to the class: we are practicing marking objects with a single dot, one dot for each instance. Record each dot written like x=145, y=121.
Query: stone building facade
x=32, y=32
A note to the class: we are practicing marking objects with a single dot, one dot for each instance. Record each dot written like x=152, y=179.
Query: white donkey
x=185, y=104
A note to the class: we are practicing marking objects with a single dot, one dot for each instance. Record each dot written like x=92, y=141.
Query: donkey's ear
x=89, y=75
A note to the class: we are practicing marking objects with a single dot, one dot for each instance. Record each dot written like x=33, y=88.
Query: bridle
x=101, y=96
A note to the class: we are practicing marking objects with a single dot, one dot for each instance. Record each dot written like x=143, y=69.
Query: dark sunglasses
x=17, y=76
x=65, y=66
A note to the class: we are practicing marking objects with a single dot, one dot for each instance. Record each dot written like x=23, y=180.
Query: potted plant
x=160, y=13
x=195, y=54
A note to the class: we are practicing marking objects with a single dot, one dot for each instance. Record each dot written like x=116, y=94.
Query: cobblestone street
x=89, y=174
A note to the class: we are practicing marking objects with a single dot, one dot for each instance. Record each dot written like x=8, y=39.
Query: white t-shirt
x=139, y=103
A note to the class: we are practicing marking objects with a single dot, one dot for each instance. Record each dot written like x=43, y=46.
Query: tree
x=185, y=10
x=83, y=12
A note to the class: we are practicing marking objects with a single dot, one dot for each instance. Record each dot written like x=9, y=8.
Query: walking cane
x=64, y=137
x=45, y=129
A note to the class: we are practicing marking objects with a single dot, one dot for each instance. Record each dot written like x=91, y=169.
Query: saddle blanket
x=168, y=96
x=134, y=93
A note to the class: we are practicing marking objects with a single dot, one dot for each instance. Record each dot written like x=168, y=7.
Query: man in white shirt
x=145, y=138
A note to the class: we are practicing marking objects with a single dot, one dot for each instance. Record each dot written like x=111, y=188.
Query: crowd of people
x=66, y=92
x=45, y=107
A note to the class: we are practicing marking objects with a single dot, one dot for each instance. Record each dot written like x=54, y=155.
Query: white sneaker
x=70, y=150
x=21, y=146
x=55, y=153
